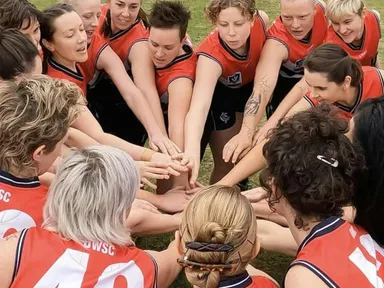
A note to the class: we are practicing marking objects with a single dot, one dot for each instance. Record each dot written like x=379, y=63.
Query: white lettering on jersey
x=104, y=248
x=5, y=196
x=14, y=219
x=68, y=272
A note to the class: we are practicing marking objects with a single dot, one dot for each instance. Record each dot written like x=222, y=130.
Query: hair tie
x=209, y=247
x=333, y=162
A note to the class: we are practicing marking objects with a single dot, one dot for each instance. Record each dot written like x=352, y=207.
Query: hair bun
x=211, y=232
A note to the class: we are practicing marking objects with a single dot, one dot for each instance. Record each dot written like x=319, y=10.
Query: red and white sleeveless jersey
x=342, y=255
x=55, y=262
x=21, y=203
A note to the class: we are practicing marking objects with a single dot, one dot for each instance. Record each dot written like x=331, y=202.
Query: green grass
x=272, y=263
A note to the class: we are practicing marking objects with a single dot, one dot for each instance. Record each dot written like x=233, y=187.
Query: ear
x=347, y=82
x=179, y=243
x=48, y=45
x=364, y=13
x=38, y=153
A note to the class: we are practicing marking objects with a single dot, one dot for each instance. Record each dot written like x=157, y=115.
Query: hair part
x=338, y=9
x=34, y=112
x=218, y=214
x=168, y=15
x=48, y=29
x=17, y=54
x=14, y=13
x=369, y=198
x=246, y=7
x=334, y=62
x=91, y=195
x=313, y=188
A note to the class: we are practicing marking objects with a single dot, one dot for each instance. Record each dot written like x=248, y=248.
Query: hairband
x=209, y=247
x=333, y=162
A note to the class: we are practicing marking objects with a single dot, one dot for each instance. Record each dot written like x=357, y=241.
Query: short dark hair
x=17, y=54
x=168, y=15
x=13, y=13
x=333, y=61
x=369, y=198
x=312, y=187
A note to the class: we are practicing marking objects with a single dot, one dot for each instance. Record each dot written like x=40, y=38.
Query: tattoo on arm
x=253, y=103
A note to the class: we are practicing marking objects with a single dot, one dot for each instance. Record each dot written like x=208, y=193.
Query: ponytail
x=106, y=29
x=356, y=72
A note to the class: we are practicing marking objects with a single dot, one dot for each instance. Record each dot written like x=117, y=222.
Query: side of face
x=234, y=28
x=164, y=45
x=89, y=12
x=323, y=90
x=69, y=39
x=45, y=160
x=350, y=27
x=298, y=17
x=31, y=28
x=124, y=12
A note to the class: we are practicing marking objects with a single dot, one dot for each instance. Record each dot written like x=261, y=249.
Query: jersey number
x=369, y=268
x=69, y=270
x=15, y=220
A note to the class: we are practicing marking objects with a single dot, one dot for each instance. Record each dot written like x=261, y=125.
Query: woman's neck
x=71, y=65
x=359, y=39
x=300, y=234
x=349, y=96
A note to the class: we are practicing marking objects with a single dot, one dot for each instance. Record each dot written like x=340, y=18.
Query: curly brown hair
x=34, y=112
x=312, y=187
x=247, y=8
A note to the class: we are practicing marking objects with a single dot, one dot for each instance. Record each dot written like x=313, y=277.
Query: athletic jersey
x=244, y=280
x=237, y=70
x=123, y=41
x=371, y=86
x=342, y=255
x=97, y=45
x=298, y=50
x=56, y=70
x=69, y=264
x=183, y=66
x=366, y=54
x=21, y=203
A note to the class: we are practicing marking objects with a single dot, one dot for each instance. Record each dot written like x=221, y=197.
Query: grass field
x=272, y=263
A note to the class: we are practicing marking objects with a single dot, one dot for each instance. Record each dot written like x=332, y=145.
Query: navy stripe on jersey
x=324, y=227
x=14, y=181
x=122, y=32
x=282, y=42
x=180, y=58
x=309, y=101
x=232, y=52
x=77, y=75
x=328, y=281
x=356, y=104
x=156, y=270
x=211, y=57
x=19, y=250
x=241, y=281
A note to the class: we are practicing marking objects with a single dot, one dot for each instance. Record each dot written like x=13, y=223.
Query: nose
x=95, y=22
x=159, y=53
x=342, y=29
x=125, y=12
x=82, y=37
x=295, y=23
x=232, y=31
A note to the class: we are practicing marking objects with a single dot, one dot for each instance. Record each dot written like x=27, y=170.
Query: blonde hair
x=34, y=112
x=218, y=214
x=91, y=195
x=337, y=9
x=247, y=8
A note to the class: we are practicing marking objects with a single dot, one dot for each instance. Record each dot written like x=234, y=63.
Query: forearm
x=194, y=128
x=79, y=139
x=250, y=164
x=148, y=196
x=176, y=133
x=144, y=223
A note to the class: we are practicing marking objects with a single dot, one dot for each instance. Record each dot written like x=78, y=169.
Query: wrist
x=147, y=155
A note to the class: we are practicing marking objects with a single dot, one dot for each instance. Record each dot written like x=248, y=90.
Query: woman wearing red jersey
x=219, y=239
x=332, y=77
x=313, y=171
x=85, y=238
x=356, y=29
x=300, y=28
x=65, y=43
x=227, y=60
x=101, y=57
x=124, y=26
